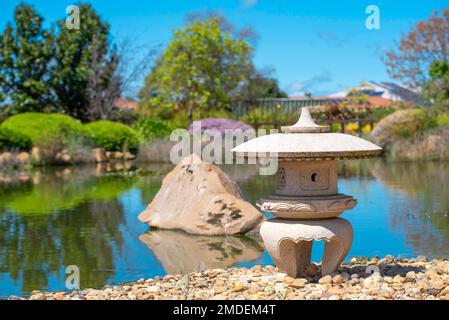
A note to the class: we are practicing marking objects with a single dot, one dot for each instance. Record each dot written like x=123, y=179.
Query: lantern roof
x=306, y=140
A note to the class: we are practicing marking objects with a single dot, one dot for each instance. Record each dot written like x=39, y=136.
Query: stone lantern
x=307, y=202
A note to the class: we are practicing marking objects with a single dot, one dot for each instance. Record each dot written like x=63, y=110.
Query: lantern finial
x=305, y=124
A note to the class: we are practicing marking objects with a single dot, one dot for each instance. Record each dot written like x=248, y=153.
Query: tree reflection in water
x=50, y=220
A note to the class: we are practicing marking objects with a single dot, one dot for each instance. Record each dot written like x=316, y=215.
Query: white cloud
x=249, y=3
x=312, y=85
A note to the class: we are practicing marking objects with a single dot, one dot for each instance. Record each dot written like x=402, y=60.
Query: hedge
x=27, y=129
x=112, y=136
x=150, y=128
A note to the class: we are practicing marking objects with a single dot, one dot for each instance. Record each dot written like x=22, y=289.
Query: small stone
x=58, y=296
x=445, y=291
x=410, y=276
x=153, y=289
x=325, y=280
x=346, y=276
x=338, y=279
x=280, y=277
x=238, y=287
x=297, y=283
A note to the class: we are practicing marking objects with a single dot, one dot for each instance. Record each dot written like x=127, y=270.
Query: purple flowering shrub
x=220, y=124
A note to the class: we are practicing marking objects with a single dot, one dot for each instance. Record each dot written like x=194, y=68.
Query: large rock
x=199, y=198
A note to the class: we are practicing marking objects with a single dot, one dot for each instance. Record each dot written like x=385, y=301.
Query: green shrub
x=14, y=140
x=112, y=136
x=150, y=128
x=41, y=128
x=442, y=119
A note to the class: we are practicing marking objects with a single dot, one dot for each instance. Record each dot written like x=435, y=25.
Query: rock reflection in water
x=180, y=252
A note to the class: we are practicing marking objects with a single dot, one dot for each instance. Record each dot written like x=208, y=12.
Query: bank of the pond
x=414, y=135
x=396, y=279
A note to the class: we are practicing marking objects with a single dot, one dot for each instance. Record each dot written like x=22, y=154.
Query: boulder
x=23, y=157
x=118, y=155
x=6, y=157
x=100, y=155
x=199, y=198
x=36, y=154
x=129, y=156
x=63, y=156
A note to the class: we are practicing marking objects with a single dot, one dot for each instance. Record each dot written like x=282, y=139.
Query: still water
x=87, y=216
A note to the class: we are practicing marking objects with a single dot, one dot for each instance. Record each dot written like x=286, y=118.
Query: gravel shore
x=360, y=279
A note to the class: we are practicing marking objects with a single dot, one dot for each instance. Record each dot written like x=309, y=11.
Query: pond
x=51, y=218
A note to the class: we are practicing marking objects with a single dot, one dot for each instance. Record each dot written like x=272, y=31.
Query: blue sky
x=319, y=46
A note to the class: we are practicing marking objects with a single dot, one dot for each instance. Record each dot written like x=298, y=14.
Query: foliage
x=26, y=49
x=437, y=88
x=201, y=68
x=259, y=115
x=150, y=128
x=112, y=136
x=42, y=128
x=260, y=84
x=124, y=115
x=219, y=124
x=11, y=140
x=84, y=65
x=73, y=71
x=426, y=43
x=405, y=125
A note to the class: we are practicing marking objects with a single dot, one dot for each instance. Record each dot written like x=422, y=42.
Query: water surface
x=87, y=216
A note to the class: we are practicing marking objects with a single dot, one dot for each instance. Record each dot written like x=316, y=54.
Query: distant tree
x=203, y=67
x=426, y=43
x=26, y=48
x=83, y=74
x=261, y=84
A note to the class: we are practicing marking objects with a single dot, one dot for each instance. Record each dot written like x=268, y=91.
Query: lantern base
x=289, y=243
x=319, y=207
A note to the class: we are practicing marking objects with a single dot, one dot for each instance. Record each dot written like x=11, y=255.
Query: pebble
x=417, y=278
x=338, y=279
x=325, y=280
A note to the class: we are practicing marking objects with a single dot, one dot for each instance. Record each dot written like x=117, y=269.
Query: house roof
x=125, y=104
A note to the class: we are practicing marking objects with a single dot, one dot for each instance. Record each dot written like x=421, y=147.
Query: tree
x=26, y=48
x=202, y=68
x=437, y=88
x=426, y=43
x=83, y=74
x=261, y=84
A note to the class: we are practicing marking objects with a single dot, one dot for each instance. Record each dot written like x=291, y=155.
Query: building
x=386, y=90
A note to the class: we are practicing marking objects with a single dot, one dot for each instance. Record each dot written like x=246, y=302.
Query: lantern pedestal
x=289, y=242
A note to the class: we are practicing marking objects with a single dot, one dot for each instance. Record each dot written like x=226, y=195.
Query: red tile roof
x=125, y=104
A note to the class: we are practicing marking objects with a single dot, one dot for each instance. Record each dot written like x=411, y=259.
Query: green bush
x=150, y=128
x=40, y=128
x=14, y=140
x=112, y=136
